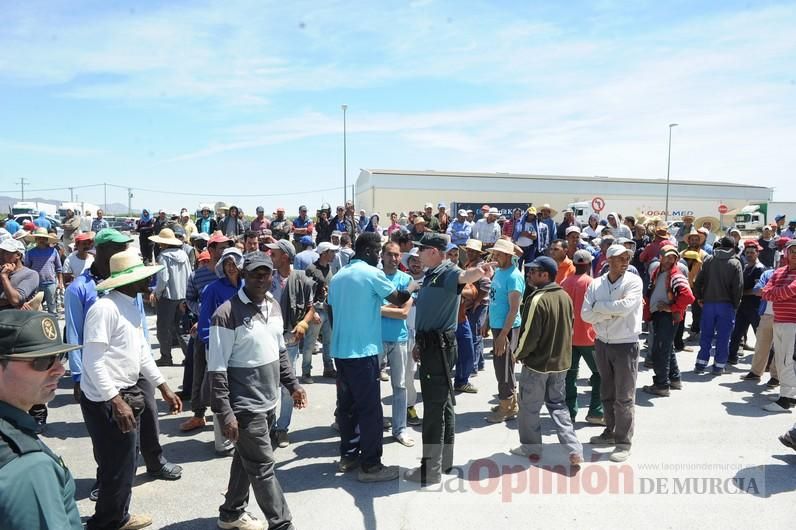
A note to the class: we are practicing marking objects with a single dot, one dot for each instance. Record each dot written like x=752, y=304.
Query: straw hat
x=503, y=245
x=127, y=268
x=546, y=206
x=166, y=237
x=41, y=232
x=715, y=224
x=473, y=244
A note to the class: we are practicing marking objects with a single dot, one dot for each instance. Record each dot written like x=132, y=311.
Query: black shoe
x=648, y=363
x=656, y=390
x=787, y=441
x=412, y=418
x=773, y=383
x=164, y=362
x=675, y=384
x=751, y=377
x=387, y=424
x=347, y=463
x=169, y=471
x=417, y=475
x=331, y=373
x=732, y=360
x=699, y=369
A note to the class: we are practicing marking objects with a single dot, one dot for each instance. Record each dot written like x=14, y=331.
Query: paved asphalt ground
x=708, y=455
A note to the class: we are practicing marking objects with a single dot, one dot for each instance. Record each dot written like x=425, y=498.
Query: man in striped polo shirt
x=781, y=292
x=247, y=362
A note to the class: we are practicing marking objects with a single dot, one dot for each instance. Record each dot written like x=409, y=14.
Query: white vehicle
x=33, y=208
x=654, y=207
x=754, y=217
x=78, y=207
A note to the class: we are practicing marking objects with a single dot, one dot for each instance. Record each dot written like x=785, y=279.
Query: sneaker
x=386, y=423
x=519, y=451
x=167, y=471
x=347, y=463
x=656, y=390
x=751, y=377
x=718, y=371
x=137, y=521
x=595, y=420
x=787, y=441
x=331, y=373
x=228, y=449
x=245, y=522
x=746, y=347
x=335, y=426
x=404, y=440
x=163, y=361
x=307, y=380
x=383, y=375
x=191, y=424
x=281, y=439
x=620, y=454
x=732, y=360
x=466, y=388
x=606, y=438
x=378, y=473
x=675, y=384
x=780, y=405
x=699, y=369
x=412, y=418
x=575, y=459
x=416, y=475
x=773, y=383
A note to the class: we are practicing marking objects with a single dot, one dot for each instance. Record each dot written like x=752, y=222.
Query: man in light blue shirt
x=356, y=295
x=460, y=229
x=395, y=336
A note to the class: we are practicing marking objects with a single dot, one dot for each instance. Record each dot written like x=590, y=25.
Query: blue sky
x=239, y=99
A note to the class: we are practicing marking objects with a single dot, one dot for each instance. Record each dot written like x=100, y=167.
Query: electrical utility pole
x=129, y=202
x=71, y=194
x=22, y=183
x=105, y=206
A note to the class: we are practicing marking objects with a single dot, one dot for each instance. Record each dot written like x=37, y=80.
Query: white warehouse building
x=389, y=190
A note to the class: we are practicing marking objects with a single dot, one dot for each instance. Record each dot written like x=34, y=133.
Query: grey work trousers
x=618, y=367
x=504, y=365
x=538, y=388
x=168, y=326
x=253, y=465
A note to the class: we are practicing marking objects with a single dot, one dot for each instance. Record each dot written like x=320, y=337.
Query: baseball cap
x=13, y=245
x=200, y=235
x=667, y=250
x=431, y=240
x=30, y=334
x=285, y=246
x=571, y=229
x=791, y=243
x=218, y=237
x=546, y=264
x=302, y=208
x=203, y=256
x=306, y=240
x=442, y=205
x=751, y=243
x=326, y=247
x=255, y=260
x=110, y=235
x=280, y=209
x=260, y=209
x=429, y=205
x=582, y=257
x=450, y=247
x=463, y=213
x=617, y=250
x=779, y=217
x=85, y=236
x=782, y=242
x=336, y=233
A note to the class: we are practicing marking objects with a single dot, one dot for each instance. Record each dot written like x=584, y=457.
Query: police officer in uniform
x=435, y=349
x=36, y=489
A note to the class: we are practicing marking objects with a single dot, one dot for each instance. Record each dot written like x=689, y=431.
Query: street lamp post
x=668, y=168
x=345, y=182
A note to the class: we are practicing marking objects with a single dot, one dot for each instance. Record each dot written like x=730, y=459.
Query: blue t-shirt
x=504, y=282
x=394, y=329
x=356, y=294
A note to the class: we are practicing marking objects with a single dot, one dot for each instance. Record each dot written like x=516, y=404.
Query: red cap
x=751, y=243
x=218, y=237
x=203, y=256
x=782, y=241
x=85, y=236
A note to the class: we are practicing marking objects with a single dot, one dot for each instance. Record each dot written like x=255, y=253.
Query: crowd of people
x=250, y=301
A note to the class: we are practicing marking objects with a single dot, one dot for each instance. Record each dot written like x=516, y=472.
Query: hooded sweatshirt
x=620, y=230
x=172, y=280
x=545, y=343
x=614, y=309
x=721, y=278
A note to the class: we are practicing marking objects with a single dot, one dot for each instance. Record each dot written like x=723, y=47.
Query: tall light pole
x=668, y=168
x=345, y=154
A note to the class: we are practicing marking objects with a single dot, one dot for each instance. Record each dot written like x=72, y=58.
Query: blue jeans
x=308, y=344
x=663, y=357
x=465, y=362
x=286, y=404
x=49, y=297
x=477, y=318
x=718, y=318
x=397, y=353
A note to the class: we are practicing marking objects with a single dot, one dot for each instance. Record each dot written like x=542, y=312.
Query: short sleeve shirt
x=356, y=295
x=25, y=281
x=504, y=282
x=438, y=299
x=394, y=329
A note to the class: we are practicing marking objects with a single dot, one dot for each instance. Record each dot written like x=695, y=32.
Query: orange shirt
x=565, y=269
x=582, y=332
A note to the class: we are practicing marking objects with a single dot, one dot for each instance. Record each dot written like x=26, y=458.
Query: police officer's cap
x=30, y=334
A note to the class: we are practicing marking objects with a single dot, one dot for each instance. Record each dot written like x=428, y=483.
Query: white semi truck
x=753, y=217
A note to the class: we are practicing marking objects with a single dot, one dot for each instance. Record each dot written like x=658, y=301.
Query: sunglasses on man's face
x=39, y=364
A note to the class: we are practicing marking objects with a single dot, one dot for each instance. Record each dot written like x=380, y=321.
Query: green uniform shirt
x=438, y=300
x=36, y=489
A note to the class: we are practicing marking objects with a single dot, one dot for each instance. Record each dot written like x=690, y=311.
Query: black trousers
x=116, y=462
x=149, y=429
x=745, y=316
x=439, y=419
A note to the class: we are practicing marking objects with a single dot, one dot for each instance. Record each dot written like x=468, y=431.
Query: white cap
x=442, y=205
x=325, y=247
x=571, y=229
x=12, y=245
x=463, y=213
x=493, y=211
x=617, y=250
x=429, y=205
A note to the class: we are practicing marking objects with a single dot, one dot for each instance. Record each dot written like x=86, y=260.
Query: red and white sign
x=598, y=204
x=723, y=209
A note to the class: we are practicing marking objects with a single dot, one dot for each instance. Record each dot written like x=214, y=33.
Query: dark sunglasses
x=39, y=364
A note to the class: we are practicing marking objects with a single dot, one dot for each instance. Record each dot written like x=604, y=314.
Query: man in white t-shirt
x=81, y=259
